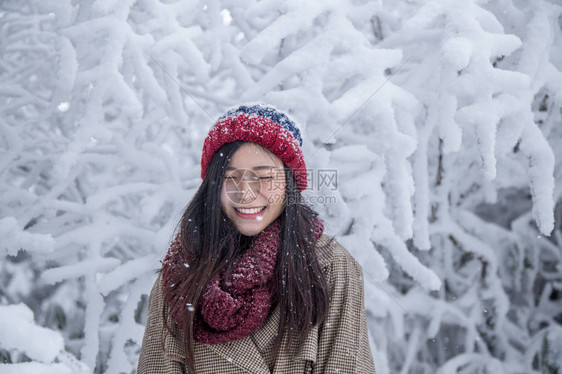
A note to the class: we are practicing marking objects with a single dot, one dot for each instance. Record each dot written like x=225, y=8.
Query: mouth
x=249, y=212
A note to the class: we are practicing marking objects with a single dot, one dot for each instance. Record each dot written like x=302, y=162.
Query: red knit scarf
x=230, y=310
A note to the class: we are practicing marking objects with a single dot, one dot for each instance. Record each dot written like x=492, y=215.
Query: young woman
x=251, y=284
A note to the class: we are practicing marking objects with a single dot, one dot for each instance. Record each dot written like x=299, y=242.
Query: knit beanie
x=261, y=124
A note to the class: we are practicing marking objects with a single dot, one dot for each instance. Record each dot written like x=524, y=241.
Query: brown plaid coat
x=339, y=345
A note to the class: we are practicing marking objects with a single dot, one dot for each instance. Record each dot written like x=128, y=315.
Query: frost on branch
x=432, y=132
x=44, y=347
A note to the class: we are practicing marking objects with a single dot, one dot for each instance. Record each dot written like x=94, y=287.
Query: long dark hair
x=212, y=244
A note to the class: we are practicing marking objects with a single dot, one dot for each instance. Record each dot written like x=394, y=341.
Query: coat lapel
x=242, y=353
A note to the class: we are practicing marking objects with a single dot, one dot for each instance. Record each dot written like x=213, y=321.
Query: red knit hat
x=263, y=125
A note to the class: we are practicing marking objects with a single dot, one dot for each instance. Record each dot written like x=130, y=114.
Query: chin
x=251, y=231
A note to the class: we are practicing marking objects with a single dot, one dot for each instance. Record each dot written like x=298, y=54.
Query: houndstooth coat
x=339, y=345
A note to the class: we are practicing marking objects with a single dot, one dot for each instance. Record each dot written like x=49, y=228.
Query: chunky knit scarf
x=232, y=308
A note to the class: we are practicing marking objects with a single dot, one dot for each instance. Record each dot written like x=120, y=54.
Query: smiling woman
x=251, y=283
x=254, y=175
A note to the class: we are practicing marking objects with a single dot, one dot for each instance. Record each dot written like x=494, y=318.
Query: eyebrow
x=263, y=167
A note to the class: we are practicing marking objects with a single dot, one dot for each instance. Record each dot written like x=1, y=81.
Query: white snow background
x=440, y=120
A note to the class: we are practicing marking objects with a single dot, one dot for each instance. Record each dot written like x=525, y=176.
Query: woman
x=250, y=283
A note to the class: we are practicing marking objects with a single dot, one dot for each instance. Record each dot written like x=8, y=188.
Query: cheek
x=274, y=188
x=275, y=197
x=224, y=200
x=277, y=201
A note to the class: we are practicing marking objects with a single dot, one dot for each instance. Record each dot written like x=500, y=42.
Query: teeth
x=250, y=211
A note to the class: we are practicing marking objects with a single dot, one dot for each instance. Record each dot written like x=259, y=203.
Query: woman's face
x=253, y=192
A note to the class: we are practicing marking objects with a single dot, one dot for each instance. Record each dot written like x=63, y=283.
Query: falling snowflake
x=63, y=107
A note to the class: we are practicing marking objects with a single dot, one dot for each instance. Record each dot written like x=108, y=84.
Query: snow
x=35, y=368
x=457, y=52
x=440, y=121
x=79, y=269
x=541, y=162
x=16, y=328
x=14, y=238
x=63, y=107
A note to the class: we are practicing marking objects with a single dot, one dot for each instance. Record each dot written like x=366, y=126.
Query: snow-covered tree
x=432, y=132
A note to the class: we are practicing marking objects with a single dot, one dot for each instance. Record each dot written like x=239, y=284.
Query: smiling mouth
x=250, y=210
